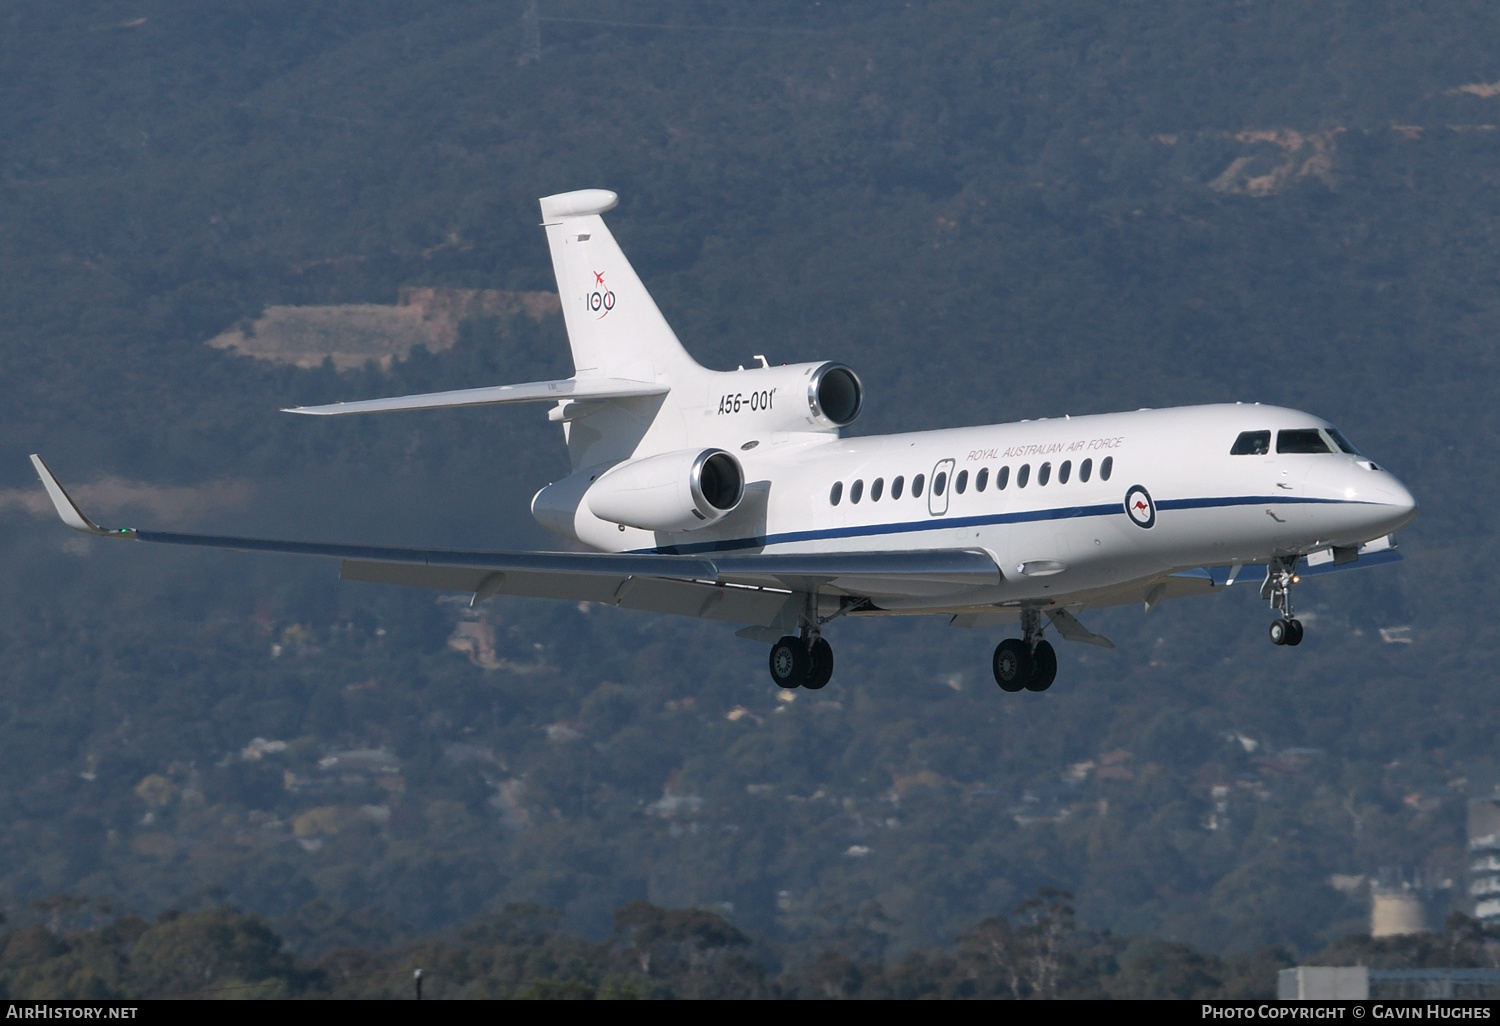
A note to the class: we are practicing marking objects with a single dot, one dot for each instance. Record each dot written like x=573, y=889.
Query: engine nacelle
x=801, y=397
x=677, y=491
x=834, y=395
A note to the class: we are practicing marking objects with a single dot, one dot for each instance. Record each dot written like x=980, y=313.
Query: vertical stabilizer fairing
x=614, y=326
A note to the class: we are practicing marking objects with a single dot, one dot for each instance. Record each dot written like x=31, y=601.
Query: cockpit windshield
x=1251, y=443
x=1342, y=442
x=1302, y=440
x=1292, y=440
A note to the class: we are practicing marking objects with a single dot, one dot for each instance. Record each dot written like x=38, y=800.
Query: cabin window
x=876, y=487
x=939, y=482
x=1085, y=469
x=1106, y=468
x=1251, y=443
x=1002, y=479
x=1064, y=471
x=896, y=487
x=1301, y=440
x=961, y=481
x=981, y=479
x=857, y=491
x=836, y=493
x=1023, y=475
x=1342, y=442
x=1043, y=475
x=916, y=486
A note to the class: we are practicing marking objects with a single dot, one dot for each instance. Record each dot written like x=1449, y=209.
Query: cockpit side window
x=1252, y=443
x=1342, y=442
x=1301, y=440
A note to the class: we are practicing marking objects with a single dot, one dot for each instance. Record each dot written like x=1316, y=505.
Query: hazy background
x=990, y=211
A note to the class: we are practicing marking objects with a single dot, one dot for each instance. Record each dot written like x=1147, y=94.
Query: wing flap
x=920, y=572
x=579, y=564
x=440, y=578
x=703, y=601
x=649, y=594
x=530, y=392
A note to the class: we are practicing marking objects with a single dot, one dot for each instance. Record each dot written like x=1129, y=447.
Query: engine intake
x=677, y=491
x=835, y=395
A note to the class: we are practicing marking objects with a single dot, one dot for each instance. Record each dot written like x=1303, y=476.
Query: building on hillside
x=1406, y=901
x=1396, y=913
x=1360, y=983
x=1484, y=857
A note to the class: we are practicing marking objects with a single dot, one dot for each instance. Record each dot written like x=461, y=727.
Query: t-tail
x=652, y=436
x=614, y=326
x=627, y=360
x=617, y=332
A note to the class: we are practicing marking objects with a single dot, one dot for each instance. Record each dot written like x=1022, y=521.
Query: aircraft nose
x=1400, y=506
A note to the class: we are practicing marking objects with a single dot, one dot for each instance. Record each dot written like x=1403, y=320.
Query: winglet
x=66, y=507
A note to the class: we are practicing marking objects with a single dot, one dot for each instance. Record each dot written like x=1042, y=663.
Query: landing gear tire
x=1044, y=667
x=1013, y=665
x=1281, y=631
x=790, y=662
x=820, y=672
x=1294, y=632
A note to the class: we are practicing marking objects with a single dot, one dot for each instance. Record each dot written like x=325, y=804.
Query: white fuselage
x=1057, y=534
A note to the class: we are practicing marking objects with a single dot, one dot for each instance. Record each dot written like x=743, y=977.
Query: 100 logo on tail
x=600, y=300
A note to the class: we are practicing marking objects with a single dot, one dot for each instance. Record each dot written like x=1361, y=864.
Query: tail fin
x=613, y=325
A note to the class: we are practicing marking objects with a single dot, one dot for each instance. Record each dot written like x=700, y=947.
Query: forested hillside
x=992, y=212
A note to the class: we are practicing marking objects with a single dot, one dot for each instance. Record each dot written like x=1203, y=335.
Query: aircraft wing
x=737, y=587
x=530, y=392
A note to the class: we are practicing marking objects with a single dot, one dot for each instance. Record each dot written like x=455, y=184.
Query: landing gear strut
x=1281, y=574
x=804, y=661
x=1027, y=663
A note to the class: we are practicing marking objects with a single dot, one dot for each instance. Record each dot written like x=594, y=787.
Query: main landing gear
x=1280, y=576
x=804, y=661
x=799, y=663
x=1027, y=663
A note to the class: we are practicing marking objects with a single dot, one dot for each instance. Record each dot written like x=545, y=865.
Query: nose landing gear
x=1027, y=663
x=1286, y=632
x=1277, y=589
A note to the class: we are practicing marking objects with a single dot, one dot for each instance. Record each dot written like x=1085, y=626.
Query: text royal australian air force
x=1016, y=452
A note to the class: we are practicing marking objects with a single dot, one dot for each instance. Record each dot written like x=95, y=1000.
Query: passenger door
x=937, y=490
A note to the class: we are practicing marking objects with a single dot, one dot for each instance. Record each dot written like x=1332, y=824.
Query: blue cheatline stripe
x=943, y=523
x=1257, y=500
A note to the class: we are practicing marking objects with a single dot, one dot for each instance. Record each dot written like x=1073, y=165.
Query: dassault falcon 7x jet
x=730, y=495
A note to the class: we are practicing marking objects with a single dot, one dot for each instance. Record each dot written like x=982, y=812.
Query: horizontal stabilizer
x=530, y=392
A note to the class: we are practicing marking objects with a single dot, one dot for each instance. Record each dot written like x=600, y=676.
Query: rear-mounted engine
x=801, y=397
x=677, y=491
x=834, y=395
